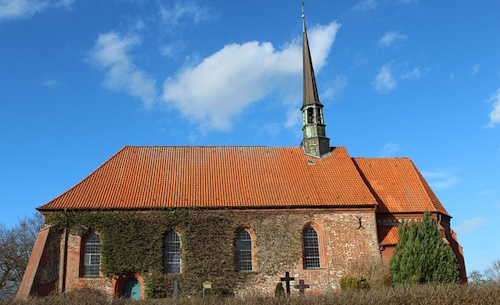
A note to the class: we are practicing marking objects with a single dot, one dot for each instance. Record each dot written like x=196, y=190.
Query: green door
x=132, y=289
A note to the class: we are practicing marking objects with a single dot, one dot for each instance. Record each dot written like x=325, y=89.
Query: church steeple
x=314, y=140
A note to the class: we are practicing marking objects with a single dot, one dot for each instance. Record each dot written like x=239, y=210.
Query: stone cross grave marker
x=287, y=279
x=301, y=287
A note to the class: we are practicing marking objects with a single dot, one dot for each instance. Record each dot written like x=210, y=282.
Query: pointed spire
x=314, y=143
x=310, y=90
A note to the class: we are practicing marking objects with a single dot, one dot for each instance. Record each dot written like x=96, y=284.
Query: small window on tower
x=319, y=119
x=310, y=116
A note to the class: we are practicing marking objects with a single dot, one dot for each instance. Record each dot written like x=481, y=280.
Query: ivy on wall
x=133, y=241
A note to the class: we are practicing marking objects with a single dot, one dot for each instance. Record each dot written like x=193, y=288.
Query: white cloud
x=415, y=73
x=470, y=225
x=365, y=5
x=111, y=53
x=270, y=129
x=18, y=9
x=389, y=149
x=333, y=90
x=486, y=192
x=216, y=90
x=50, y=83
x=384, y=81
x=495, y=112
x=391, y=38
x=441, y=179
x=172, y=49
x=185, y=10
x=475, y=69
x=294, y=118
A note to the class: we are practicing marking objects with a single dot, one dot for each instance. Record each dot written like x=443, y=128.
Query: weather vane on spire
x=303, y=4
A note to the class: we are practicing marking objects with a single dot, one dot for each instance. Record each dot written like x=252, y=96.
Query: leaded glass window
x=92, y=255
x=244, y=251
x=172, y=254
x=311, y=249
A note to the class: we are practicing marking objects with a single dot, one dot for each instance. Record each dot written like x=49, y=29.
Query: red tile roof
x=388, y=235
x=398, y=186
x=168, y=177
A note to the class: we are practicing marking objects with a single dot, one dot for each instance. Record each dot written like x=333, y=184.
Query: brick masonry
x=73, y=279
x=342, y=244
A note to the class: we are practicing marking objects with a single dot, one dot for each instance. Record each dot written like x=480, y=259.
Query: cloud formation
x=441, y=179
x=19, y=9
x=389, y=149
x=385, y=81
x=475, y=69
x=111, y=53
x=365, y=5
x=392, y=38
x=185, y=10
x=415, y=73
x=495, y=112
x=470, y=225
x=335, y=87
x=219, y=88
x=50, y=83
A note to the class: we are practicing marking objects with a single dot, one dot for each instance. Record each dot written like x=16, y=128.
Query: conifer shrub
x=421, y=255
x=353, y=282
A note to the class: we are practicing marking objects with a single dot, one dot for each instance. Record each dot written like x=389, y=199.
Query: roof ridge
x=366, y=182
x=87, y=177
x=428, y=190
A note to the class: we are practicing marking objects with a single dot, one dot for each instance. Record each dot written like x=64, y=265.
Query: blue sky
x=79, y=79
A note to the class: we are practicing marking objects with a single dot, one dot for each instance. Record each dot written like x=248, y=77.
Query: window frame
x=311, y=254
x=90, y=251
x=248, y=248
x=171, y=251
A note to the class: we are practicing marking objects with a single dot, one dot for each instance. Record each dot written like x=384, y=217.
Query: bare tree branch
x=15, y=250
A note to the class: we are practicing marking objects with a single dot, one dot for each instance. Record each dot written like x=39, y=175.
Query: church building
x=230, y=220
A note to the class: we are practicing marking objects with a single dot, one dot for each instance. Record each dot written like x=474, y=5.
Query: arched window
x=91, y=255
x=244, y=251
x=311, y=249
x=172, y=254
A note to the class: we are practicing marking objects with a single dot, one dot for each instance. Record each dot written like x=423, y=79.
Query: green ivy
x=133, y=241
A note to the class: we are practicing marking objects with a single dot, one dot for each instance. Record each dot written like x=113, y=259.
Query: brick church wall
x=46, y=278
x=344, y=245
x=73, y=279
x=344, y=240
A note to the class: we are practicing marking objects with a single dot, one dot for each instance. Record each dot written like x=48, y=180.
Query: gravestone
x=207, y=288
x=301, y=287
x=176, y=292
x=287, y=279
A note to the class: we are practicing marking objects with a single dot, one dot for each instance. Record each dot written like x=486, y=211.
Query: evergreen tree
x=422, y=256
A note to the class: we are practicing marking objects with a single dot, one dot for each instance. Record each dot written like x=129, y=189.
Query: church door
x=132, y=289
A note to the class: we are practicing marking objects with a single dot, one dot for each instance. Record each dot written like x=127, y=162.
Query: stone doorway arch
x=130, y=287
